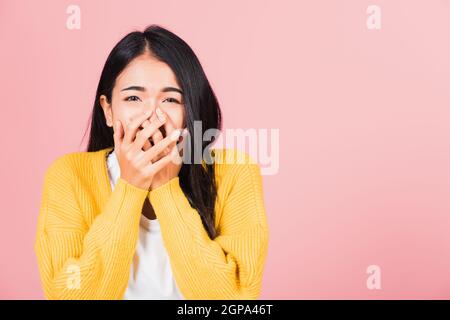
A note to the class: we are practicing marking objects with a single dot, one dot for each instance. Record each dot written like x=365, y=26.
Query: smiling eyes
x=136, y=98
x=132, y=98
x=171, y=100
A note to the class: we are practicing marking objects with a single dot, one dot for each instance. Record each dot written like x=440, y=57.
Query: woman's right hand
x=136, y=165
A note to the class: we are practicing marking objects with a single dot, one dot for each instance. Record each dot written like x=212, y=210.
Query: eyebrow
x=142, y=89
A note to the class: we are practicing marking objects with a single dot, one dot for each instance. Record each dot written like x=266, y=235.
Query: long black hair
x=197, y=180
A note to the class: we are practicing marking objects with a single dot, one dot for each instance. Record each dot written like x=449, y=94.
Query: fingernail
x=160, y=115
x=175, y=135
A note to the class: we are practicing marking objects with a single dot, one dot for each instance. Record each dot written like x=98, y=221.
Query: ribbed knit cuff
x=125, y=204
x=170, y=197
x=176, y=215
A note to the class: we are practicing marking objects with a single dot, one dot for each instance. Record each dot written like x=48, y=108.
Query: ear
x=107, y=110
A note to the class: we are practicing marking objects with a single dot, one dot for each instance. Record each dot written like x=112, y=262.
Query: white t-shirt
x=151, y=274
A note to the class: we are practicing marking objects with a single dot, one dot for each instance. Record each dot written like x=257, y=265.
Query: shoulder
x=68, y=187
x=233, y=157
x=66, y=163
x=229, y=161
x=236, y=171
x=70, y=167
x=240, y=190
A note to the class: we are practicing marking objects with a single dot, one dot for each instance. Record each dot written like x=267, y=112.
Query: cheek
x=176, y=115
x=125, y=113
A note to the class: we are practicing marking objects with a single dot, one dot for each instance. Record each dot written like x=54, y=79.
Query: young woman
x=136, y=216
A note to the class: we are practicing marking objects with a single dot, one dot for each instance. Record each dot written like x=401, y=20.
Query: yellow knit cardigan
x=87, y=233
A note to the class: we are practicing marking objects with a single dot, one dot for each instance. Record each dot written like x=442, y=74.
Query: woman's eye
x=132, y=98
x=173, y=100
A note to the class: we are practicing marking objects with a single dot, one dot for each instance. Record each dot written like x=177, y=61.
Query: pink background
x=363, y=115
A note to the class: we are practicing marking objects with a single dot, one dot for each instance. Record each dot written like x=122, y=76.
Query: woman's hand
x=172, y=169
x=136, y=165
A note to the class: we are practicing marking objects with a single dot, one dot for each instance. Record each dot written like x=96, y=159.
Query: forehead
x=146, y=71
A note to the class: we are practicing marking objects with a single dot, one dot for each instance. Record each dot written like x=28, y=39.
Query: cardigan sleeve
x=231, y=265
x=80, y=262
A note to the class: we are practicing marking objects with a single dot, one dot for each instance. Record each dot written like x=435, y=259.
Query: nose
x=151, y=105
x=156, y=112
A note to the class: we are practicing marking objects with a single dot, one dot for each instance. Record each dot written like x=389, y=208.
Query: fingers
x=160, y=146
x=155, y=167
x=183, y=141
x=147, y=144
x=132, y=128
x=168, y=128
x=175, y=152
x=158, y=115
x=118, y=133
x=142, y=137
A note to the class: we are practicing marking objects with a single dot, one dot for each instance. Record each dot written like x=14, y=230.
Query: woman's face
x=146, y=83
